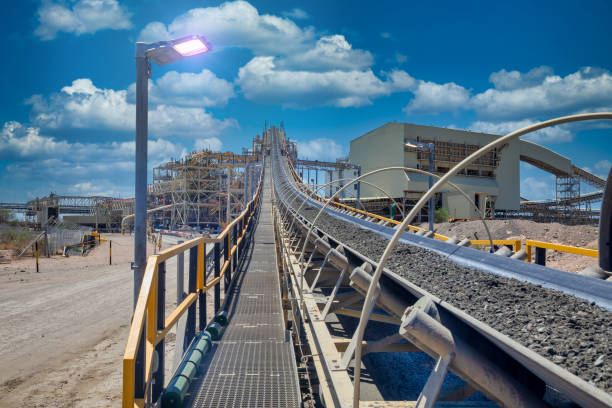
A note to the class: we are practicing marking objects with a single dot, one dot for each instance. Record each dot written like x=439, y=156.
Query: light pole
x=162, y=53
x=428, y=147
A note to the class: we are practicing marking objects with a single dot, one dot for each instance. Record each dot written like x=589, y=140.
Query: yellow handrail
x=516, y=243
x=146, y=305
x=529, y=244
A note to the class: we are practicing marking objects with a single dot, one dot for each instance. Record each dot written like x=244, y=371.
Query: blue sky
x=330, y=70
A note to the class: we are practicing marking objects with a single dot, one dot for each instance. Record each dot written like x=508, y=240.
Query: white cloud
x=321, y=149
x=519, y=98
x=291, y=66
x=19, y=142
x=201, y=89
x=540, y=188
x=100, y=187
x=209, y=143
x=400, y=58
x=22, y=142
x=262, y=82
x=386, y=35
x=401, y=81
x=83, y=105
x=430, y=97
x=235, y=24
x=297, y=14
x=82, y=17
x=602, y=168
x=555, y=134
x=175, y=121
x=508, y=80
x=329, y=53
x=73, y=168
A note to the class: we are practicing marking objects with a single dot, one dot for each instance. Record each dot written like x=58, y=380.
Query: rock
x=599, y=361
x=558, y=359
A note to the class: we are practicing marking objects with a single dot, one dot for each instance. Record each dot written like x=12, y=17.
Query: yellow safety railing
x=530, y=244
x=150, y=312
x=516, y=243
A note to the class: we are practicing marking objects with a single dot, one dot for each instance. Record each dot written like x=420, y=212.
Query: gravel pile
x=570, y=332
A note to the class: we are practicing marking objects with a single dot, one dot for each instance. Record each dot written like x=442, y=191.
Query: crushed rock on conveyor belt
x=569, y=331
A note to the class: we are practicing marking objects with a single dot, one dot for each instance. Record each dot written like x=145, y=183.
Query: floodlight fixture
x=167, y=52
x=419, y=145
x=192, y=45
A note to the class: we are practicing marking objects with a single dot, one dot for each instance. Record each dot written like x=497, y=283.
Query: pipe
x=152, y=210
x=174, y=395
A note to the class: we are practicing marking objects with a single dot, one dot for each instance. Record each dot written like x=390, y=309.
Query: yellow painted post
x=517, y=245
x=201, y=266
x=128, y=383
x=229, y=249
x=528, y=248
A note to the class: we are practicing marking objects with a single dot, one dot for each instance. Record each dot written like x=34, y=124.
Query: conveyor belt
x=253, y=365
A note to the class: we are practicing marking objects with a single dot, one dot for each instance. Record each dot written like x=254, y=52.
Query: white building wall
x=350, y=192
x=384, y=147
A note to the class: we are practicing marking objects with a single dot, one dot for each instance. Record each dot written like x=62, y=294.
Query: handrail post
x=540, y=256
x=202, y=295
x=139, y=366
x=228, y=258
x=192, y=287
x=234, y=243
x=217, y=254
x=158, y=383
x=528, y=250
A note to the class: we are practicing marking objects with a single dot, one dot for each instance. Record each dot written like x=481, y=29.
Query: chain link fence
x=62, y=235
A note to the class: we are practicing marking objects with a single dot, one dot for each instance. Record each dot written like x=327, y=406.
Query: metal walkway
x=253, y=365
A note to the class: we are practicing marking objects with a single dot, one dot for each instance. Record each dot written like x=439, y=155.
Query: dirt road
x=64, y=329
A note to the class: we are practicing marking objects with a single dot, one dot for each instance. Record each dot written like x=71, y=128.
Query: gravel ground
x=568, y=331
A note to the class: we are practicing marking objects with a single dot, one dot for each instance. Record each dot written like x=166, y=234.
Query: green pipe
x=214, y=330
x=392, y=211
x=175, y=393
x=221, y=318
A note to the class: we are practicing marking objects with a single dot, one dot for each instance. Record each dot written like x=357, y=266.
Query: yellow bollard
x=110, y=252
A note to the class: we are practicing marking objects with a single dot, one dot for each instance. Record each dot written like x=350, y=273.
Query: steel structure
x=205, y=188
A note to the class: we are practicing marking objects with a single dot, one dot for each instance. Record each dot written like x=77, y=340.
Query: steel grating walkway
x=253, y=365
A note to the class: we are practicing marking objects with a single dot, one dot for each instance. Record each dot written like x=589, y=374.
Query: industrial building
x=493, y=181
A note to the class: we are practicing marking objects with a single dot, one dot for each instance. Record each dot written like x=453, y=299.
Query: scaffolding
x=448, y=154
x=206, y=189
